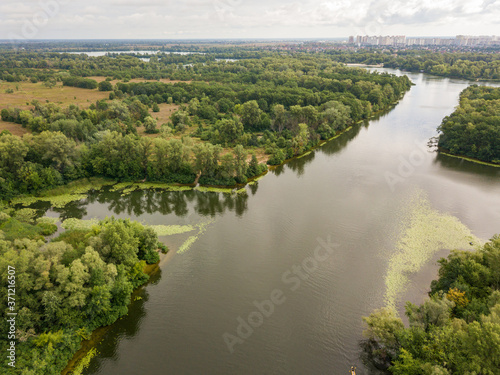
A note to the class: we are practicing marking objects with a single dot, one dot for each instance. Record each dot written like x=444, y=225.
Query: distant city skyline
x=244, y=19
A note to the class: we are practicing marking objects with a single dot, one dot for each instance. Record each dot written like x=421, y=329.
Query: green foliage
x=473, y=130
x=70, y=286
x=150, y=125
x=105, y=86
x=285, y=104
x=84, y=83
x=457, y=331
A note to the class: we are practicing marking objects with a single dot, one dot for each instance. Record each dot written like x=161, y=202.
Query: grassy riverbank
x=470, y=159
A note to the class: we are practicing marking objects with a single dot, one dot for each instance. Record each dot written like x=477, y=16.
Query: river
x=315, y=236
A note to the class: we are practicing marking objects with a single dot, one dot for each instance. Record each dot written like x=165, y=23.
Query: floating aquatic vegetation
x=206, y=189
x=85, y=362
x=127, y=188
x=304, y=154
x=80, y=224
x=169, y=230
x=470, y=159
x=191, y=240
x=425, y=231
x=187, y=244
x=60, y=201
x=25, y=201
x=120, y=186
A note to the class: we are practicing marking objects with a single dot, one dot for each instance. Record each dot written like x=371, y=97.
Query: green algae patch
x=121, y=186
x=169, y=230
x=85, y=362
x=305, y=154
x=62, y=195
x=202, y=228
x=127, y=187
x=241, y=191
x=24, y=201
x=78, y=187
x=79, y=224
x=424, y=232
x=470, y=159
x=207, y=189
x=60, y=201
x=257, y=179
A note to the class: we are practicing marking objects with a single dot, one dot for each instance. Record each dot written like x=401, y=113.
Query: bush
x=105, y=86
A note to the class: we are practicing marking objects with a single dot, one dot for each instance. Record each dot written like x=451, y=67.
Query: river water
x=315, y=235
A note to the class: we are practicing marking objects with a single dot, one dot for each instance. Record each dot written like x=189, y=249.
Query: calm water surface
x=337, y=193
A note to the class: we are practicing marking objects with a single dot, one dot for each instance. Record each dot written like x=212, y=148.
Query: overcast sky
x=190, y=19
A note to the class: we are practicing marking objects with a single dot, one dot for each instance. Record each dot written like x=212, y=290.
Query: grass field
x=25, y=92
x=135, y=80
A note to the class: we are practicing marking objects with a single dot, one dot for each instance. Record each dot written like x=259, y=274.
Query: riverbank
x=87, y=350
x=470, y=159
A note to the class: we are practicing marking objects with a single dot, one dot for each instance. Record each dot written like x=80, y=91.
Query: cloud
x=254, y=18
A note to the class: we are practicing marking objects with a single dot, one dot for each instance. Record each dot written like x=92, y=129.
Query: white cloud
x=257, y=18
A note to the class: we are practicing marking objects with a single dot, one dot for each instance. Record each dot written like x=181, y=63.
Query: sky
x=234, y=19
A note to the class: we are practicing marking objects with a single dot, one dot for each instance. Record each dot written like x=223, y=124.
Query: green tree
x=105, y=86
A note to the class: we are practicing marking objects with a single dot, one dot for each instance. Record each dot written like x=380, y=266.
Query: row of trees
x=468, y=65
x=473, y=130
x=457, y=331
x=37, y=162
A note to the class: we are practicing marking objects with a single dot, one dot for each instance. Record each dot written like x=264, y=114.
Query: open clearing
x=25, y=92
x=136, y=80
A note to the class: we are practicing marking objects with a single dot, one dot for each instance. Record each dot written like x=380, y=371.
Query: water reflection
x=138, y=203
x=126, y=327
x=465, y=166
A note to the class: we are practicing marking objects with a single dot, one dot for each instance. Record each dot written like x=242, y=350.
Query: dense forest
x=66, y=288
x=457, y=331
x=468, y=65
x=473, y=130
x=226, y=111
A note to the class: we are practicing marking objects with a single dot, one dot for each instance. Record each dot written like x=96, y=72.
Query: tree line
x=468, y=65
x=473, y=130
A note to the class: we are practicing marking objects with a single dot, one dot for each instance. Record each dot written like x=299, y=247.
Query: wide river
x=316, y=235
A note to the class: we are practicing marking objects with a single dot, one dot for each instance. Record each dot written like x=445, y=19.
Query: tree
x=207, y=158
x=105, y=86
x=116, y=243
x=279, y=117
x=240, y=163
x=55, y=149
x=229, y=130
x=382, y=332
x=150, y=125
x=250, y=114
